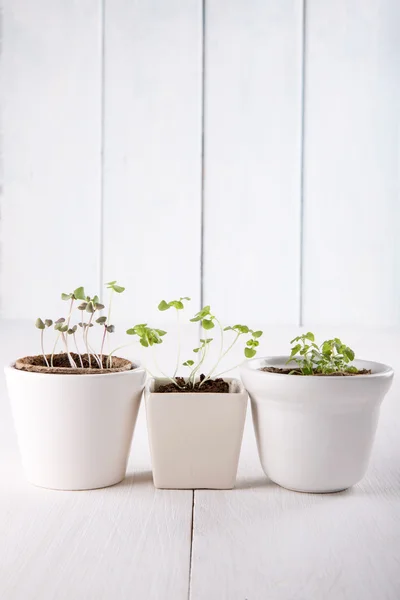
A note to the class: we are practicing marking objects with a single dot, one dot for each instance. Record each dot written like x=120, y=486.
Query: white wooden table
x=257, y=542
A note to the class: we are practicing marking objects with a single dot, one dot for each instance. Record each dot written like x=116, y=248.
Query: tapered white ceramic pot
x=195, y=438
x=315, y=434
x=75, y=431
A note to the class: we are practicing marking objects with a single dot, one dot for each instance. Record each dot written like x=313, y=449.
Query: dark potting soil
x=218, y=386
x=298, y=372
x=61, y=360
x=61, y=365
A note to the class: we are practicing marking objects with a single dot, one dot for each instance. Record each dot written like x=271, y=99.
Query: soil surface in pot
x=298, y=372
x=214, y=386
x=61, y=364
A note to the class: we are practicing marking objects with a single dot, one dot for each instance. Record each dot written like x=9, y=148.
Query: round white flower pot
x=75, y=431
x=315, y=434
x=195, y=438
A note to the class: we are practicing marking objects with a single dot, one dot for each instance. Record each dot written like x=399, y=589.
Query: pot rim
x=230, y=380
x=138, y=368
x=253, y=365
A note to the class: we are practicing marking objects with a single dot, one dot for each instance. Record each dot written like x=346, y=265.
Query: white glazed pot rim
x=235, y=386
x=137, y=368
x=378, y=370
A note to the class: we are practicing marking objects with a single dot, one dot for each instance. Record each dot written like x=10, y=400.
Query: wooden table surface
x=256, y=542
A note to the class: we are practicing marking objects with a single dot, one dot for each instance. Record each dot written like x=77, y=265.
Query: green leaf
x=177, y=304
x=196, y=350
x=89, y=307
x=207, y=324
x=39, y=324
x=144, y=342
x=228, y=328
x=79, y=293
x=249, y=352
x=98, y=306
x=110, y=283
x=163, y=305
x=349, y=353
x=310, y=336
x=66, y=296
x=257, y=334
x=295, y=349
x=188, y=363
x=161, y=332
x=101, y=320
x=118, y=288
x=131, y=331
x=186, y=298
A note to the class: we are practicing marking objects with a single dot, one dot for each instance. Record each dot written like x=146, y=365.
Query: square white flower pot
x=195, y=438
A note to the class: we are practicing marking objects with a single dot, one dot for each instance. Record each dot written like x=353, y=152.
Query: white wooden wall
x=243, y=153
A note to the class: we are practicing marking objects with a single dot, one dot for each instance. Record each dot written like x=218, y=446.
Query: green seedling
x=332, y=356
x=207, y=320
x=178, y=306
x=42, y=326
x=90, y=307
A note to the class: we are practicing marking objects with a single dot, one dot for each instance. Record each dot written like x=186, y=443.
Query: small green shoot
x=207, y=320
x=87, y=306
x=332, y=356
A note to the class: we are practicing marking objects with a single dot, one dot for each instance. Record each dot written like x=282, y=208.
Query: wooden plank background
x=166, y=144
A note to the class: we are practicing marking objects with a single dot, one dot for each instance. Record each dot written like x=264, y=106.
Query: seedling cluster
x=149, y=337
x=88, y=308
x=332, y=356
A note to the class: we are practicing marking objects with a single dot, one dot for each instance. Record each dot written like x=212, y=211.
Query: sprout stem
x=54, y=349
x=71, y=360
x=102, y=345
x=221, y=357
x=86, y=338
x=221, y=349
x=44, y=356
x=171, y=379
x=227, y=370
x=203, y=354
x=70, y=312
x=179, y=345
x=96, y=357
x=77, y=349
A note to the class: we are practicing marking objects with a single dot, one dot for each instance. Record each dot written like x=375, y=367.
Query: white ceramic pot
x=315, y=434
x=75, y=431
x=195, y=438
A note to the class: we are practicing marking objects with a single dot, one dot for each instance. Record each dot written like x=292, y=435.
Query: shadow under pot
x=195, y=438
x=75, y=430
x=315, y=433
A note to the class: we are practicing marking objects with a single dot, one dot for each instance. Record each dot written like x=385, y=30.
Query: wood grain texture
x=351, y=193
x=152, y=176
x=260, y=541
x=252, y=159
x=50, y=233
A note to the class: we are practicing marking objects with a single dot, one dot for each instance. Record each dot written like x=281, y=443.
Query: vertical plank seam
x=102, y=141
x=302, y=147
x=203, y=85
x=191, y=549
